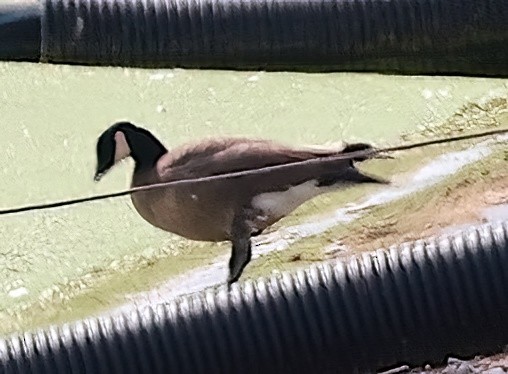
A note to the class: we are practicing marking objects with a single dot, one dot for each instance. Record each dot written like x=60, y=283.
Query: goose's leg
x=241, y=248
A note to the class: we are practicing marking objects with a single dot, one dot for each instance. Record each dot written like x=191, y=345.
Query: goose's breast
x=191, y=214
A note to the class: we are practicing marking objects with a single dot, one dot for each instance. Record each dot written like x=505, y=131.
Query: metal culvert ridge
x=413, y=304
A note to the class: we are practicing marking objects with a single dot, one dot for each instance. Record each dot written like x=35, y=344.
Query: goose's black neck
x=146, y=149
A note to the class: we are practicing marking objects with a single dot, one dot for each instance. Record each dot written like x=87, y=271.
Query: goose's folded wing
x=233, y=155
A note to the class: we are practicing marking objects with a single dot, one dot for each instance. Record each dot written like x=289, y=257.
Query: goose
x=230, y=209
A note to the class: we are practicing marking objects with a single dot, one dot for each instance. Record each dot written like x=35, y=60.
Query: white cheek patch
x=122, y=149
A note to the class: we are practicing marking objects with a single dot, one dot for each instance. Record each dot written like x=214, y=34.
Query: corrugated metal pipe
x=409, y=305
x=401, y=36
x=20, y=30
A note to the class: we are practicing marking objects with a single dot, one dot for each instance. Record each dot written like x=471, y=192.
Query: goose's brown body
x=234, y=208
x=205, y=210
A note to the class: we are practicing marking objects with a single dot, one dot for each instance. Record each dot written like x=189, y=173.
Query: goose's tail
x=360, y=147
x=351, y=175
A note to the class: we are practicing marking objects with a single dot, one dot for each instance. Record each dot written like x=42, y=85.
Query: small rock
x=457, y=366
x=401, y=369
x=497, y=370
x=454, y=361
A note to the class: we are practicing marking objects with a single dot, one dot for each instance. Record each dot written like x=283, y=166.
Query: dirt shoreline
x=462, y=207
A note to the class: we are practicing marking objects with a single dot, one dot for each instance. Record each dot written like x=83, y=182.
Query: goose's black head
x=124, y=139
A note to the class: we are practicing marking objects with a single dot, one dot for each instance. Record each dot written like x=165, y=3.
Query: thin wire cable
x=346, y=156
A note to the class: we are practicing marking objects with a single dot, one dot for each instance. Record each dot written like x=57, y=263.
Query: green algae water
x=51, y=117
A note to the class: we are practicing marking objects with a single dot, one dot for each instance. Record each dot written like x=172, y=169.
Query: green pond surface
x=51, y=117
